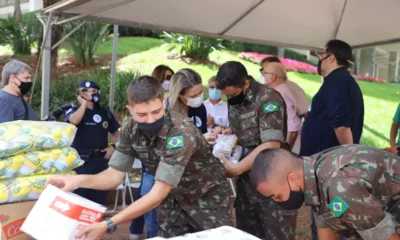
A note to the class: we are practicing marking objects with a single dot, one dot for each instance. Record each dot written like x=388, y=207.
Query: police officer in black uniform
x=91, y=141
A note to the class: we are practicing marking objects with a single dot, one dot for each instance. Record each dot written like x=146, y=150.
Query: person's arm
x=7, y=111
x=372, y=221
x=344, y=135
x=291, y=139
x=115, y=137
x=76, y=117
x=272, y=123
x=339, y=110
x=293, y=121
x=394, y=130
x=327, y=234
x=107, y=180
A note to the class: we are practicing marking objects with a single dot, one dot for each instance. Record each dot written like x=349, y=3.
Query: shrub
x=62, y=90
x=21, y=36
x=137, y=32
x=193, y=46
x=85, y=41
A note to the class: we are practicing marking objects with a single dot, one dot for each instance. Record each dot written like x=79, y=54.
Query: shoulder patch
x=271, y=107
x=175, y=142
x=338, y=206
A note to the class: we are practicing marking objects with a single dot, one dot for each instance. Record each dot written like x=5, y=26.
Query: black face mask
x=237, y=99
x=152, y=128
x=24, y=87
x=295, y=200
x=319, y=64
x=95, y=97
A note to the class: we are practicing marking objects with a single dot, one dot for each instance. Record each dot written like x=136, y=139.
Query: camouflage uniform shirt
x=260, y=118
x=355, y=190
x=180, y=156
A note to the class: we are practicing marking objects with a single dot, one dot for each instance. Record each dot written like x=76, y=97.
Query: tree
x=56, y=34
x=17, y=11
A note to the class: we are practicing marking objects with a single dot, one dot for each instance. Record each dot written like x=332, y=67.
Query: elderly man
x=302, y=102
x=16, y=78
x=274, y=76
x=353, y=190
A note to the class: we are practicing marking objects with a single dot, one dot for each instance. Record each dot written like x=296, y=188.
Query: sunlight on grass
x=6, y=50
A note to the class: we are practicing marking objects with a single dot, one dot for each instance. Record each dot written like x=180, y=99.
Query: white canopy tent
x=306, y=24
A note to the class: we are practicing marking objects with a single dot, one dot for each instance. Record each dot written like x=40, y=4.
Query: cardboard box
x=12, y=216
x=60, y=215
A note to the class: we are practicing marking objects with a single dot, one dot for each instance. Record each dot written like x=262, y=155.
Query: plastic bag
x=227, y=144
x=24, y=189
x=23, y=136
x=39, y=163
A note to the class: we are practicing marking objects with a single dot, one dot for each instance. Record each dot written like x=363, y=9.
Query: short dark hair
x=144, y=89
x=341, y=50
x=262, y=166
x=270, y=59
x=231, y=74
x=265, y=163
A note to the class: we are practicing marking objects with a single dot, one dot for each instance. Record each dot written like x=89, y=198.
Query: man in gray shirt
x=16, y=79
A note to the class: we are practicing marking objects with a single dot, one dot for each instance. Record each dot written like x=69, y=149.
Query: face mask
x=24, y=87
x=320, y=63
x=214, y=93
x=237, y=99
x=152, y=128
x=95, y=98
x=195, y=102
x=261, y=79
x=295, y=200
x=165, y=84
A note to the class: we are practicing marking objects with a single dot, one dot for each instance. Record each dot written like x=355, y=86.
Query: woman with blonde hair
x=186, y=96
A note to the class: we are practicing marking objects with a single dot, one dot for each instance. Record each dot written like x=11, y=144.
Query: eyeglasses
x=319, y=54
x=168, y=77
x=263, y=72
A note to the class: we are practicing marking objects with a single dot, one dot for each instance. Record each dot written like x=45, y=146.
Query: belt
x=86, y=155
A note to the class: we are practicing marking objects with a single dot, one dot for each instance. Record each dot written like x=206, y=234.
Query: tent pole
x=46, y=63
x=113, y=67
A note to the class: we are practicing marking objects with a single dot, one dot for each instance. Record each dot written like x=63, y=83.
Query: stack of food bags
x=227, y=145
x=30, y=153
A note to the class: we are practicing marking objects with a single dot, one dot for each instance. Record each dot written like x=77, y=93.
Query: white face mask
x=195, y=102
x=261, y=79
x=165, y=84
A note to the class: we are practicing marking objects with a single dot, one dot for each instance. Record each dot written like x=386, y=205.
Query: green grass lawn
x=380, y=99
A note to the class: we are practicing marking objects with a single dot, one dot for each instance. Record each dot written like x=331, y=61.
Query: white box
x=60, y=215
x=224, y=232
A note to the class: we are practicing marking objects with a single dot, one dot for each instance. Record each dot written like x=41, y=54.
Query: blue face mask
x=214, y=93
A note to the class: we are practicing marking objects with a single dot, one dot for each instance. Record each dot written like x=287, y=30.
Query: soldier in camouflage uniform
x=353, y=190
x=191, y=188
x=257, y=115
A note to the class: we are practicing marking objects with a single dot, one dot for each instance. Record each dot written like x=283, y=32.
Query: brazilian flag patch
x=271, y=107
x=175, y=142
x=338, y=206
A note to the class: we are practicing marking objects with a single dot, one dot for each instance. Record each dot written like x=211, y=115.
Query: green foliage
x=193, y=46
x=20, y=36
x=63, y=90
x=137, y=32
x=85, y=41
x=249, y=47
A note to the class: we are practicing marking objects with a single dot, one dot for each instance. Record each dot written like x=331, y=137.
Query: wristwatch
x=111, y=227
x=113, y=145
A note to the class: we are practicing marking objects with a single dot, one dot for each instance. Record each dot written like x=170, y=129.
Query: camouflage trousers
x=186, y=224
x=263, y=219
